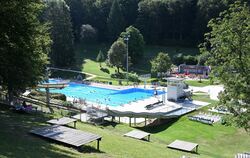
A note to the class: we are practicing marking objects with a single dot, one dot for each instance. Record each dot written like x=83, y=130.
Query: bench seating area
x=28, y=109
x=138, y=134
x=206, y=118
x=63, y=121
x=202, y=120
x=67, y=135
x=183, y=145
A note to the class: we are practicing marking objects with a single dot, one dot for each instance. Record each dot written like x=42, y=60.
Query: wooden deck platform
x=138, y=134
x=67, y=135
x=63, y=121
x=183, y=145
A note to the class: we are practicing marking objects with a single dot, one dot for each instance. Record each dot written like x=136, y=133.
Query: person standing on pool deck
x=155, y=92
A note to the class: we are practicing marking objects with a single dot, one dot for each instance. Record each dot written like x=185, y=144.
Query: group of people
x=23, y=107
x=80, y=101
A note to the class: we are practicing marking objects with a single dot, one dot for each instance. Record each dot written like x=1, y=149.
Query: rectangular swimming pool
x=103, y=96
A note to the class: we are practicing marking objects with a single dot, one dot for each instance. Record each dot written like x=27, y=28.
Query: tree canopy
x=161, y=63
x=228, y=45
x=135, y=44
x=115, y=21
x=58, y=15
x=161, y=22
x=100, y=58
x=24, y=44
x=117, y=54
x=77, y=16
x=88, y=33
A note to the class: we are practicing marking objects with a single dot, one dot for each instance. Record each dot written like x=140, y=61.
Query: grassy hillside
x=215, y=141
x=86, y=57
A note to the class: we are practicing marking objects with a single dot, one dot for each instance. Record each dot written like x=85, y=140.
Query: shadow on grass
x=105, y=70
x=89, y=149
x=109, y=123
x=16, y=140
x=158, y=125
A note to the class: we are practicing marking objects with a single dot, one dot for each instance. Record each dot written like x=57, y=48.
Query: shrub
x=118, y=75
x=67, y=104
x=184, y=59
x=88, y=33
x=190, y=60
x=151, y=80
x=40, y=95
x=178, y=59
x=163, y=84
x=133, y=77
x=59, y=96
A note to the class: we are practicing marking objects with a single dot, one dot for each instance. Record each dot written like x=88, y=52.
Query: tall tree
x=98, y=18
x=149, y=21
x=77, y=13
x=161, y=63
x=100, y=58
x=130, y=10
x=206, y=10
x=182, y=13
x=24, y=45
x=115, y=21
x=88, y=33
x=57, y=13
x=116, y=55
x=135, y=44
x=228, y=45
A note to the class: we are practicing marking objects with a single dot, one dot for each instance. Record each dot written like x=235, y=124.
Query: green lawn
x=93, y=67
x=103, y=75
x=86, y=57
x=196, y=83
x=215, y=141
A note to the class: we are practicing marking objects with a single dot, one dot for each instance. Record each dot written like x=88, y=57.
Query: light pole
x=126, y=38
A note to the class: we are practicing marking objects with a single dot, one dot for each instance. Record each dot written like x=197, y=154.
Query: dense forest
x=162, y=22
x=149, y=22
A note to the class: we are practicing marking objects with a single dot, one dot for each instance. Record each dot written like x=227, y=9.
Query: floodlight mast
x=126, y=38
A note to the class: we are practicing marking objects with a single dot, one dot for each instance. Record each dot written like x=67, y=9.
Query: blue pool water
x=103, y=95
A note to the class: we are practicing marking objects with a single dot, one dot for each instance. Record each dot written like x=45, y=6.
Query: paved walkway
x=212, y=90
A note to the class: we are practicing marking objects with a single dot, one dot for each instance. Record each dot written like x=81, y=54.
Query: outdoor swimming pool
x=104, y=96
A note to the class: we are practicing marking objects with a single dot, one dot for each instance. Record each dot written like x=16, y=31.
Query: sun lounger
x=202, y=120
x=154, y=105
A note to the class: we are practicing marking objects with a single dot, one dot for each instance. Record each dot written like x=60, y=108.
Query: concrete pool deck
x=139, y=112
x=168, y=110
x=212, y=90
x=139, y=106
